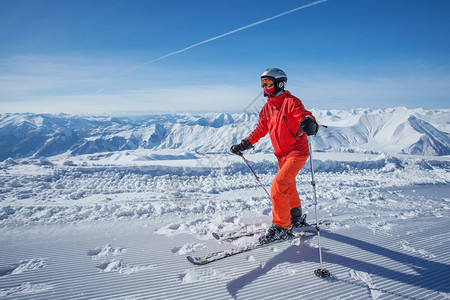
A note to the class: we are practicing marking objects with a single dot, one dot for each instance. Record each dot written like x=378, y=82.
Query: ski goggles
x=266, y=81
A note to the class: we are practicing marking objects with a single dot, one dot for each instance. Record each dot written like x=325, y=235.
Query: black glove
x=309, y=125
x=243, y=145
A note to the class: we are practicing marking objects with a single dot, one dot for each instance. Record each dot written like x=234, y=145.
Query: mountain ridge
x=392, y=130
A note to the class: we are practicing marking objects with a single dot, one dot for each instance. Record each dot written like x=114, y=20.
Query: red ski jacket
x=280, y=117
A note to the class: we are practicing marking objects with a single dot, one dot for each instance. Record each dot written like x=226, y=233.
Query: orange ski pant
x=283, y=192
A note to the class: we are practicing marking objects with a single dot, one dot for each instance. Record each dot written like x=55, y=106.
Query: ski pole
x=321, y=272
x=257, y=178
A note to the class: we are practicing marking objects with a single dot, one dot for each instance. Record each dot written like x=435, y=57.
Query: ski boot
x=297, y=219
x=274, y=233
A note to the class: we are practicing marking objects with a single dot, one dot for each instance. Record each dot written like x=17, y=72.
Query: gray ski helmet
x=279, y=76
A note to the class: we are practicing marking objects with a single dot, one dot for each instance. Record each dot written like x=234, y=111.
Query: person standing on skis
x=282, y=116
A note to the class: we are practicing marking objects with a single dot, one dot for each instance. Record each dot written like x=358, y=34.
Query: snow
x=119, y=224
x=394, y=131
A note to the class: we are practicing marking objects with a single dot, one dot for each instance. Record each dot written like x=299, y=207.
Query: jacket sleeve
x=298, y=111
x=261, y=129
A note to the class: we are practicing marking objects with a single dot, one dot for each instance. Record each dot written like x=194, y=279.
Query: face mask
x=268, y=85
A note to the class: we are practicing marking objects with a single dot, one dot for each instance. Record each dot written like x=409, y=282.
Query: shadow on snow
x=430, y=275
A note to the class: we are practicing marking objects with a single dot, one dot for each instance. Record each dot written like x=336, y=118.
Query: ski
x=232, y=236
x=215, y=256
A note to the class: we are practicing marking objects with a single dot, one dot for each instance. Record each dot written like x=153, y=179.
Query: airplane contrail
x=225, y=34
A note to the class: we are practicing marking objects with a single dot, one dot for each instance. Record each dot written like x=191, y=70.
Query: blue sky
x=111, y=56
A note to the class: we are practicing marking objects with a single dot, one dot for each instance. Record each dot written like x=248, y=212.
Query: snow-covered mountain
x=393, y=130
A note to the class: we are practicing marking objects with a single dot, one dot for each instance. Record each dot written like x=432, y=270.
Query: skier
x=281, y=117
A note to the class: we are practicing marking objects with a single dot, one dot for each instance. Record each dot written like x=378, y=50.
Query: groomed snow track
x=127, y=260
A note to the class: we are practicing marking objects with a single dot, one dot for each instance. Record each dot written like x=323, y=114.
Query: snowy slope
x=113, y=227
x=395, y=130
x=109, y=208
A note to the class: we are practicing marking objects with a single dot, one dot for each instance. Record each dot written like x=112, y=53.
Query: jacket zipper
x=289, y=128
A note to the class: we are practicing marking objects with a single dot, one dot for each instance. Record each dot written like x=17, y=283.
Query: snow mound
x=102, y=252
x=117, y=265
x=23, y=266
x=26, y=289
